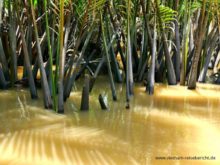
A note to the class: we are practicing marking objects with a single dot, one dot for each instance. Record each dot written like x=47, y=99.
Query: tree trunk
x=46, y=90
x=177, y=43
x=3, y=82
x=85, y=94
x=185, y=43
x=112, y=84
x=12, y=41
x=26, y=56
x=118, y=37
x=63, y=48
x=70, y=78
x=169, y=64
x=149, y=37
x=151, y=77
x=198, y=47
x=102, y=102
x=3, y=60
x=209, y=52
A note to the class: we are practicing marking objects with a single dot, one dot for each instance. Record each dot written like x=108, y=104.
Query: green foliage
x=189, y=7
x=35, y=3
x=167, y=14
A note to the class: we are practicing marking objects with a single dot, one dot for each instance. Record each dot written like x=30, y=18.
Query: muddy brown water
x=175, y=124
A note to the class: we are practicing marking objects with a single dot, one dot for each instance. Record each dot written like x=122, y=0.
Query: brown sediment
x=179, y=124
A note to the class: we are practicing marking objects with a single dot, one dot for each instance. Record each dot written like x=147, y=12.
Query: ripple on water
x=158, y=125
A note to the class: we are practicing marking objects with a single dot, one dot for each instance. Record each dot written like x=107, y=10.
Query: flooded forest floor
x=173, y=124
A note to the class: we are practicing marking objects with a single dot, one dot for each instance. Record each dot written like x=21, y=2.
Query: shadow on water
x=186, y=124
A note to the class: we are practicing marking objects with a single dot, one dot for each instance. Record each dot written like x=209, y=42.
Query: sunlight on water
x=186, y=124
x=56, y=141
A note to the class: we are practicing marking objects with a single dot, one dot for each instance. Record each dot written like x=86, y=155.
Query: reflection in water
x=186, y=124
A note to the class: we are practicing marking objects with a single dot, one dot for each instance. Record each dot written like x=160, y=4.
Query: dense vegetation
x=135, y=40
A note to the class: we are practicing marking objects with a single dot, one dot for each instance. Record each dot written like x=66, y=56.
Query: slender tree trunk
x=26, y=56
x=209, y=53
x=118, y=37
x=50, y=43
x=177, y=43
x=46, y=90
x=118, y=76
x=185, y=44
x=115, y=66
x=216, y=68
x=70, y=78
x=114, y=96
x=191, y=38
x=36, y=63
x=102, y=102
x=3, y=82
x=101, y=63
x=129, y=70
x=29, y=45
x=151, y=77
x=66, y=37
x=149, y=36
x=3, y=60
x=169, y=64
x=198, y=47
x=85, y=94
x=12, y=41
x=61, y=60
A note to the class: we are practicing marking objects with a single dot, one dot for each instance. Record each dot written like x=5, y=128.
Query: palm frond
x=167, y=14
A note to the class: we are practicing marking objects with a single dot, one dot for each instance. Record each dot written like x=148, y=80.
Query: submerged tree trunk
x=71, y=75
x=31, y=82
x=112, y=84
x=151, y=77
x=102, y=102
x=12, y=41
x=46, y=90
x=177, y=43
x=115, y=66
x=3, y=82
x=185, y=44
x=98, y=68
x=129, y=70
x=169, y=64
x=85, y=94
x=3, y=60
x=209, y=52
x=29, y=38
x=198, y=47
x=148, y=38
x=62, y=53
x=216, y=67
x=50, y=60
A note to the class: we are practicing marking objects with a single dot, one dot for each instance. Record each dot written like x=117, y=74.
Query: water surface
x=175, y=122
